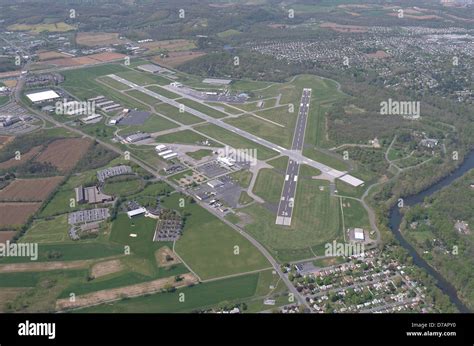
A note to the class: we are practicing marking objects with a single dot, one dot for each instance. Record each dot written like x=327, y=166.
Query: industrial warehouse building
x=43, y=96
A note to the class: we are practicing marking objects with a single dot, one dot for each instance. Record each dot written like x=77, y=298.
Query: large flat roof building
x=42, y=96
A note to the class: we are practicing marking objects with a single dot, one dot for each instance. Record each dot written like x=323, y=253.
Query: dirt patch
x=175, y=59
x=244, y=219
x=104, y=57
x=10, y=83
x=344, y=28
x=92, y=39
x=44, y=266
x=6, y=235
x=50, y=54
x=161, y=257
x=125, y=292
x=23, y=158
x=16, y=214
x=106, y=268
x=29, y=190
x=65, y=153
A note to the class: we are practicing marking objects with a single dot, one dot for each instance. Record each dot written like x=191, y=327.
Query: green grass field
x=282, y=136
x=48, y=231
x=82, y=84
x=163, y=92
x=269, y=185
x=243, y=177
x=200, y=296
x=235, y=140
x=201, y=108
x=315, y=221
x=208, y=245
x=154, y=123
x=122, y=187
x=113, y=83
x=354, y=214
x=184, y=137
x=151, y=101
x=199, y=154
x=142, y=78
x=175, y=114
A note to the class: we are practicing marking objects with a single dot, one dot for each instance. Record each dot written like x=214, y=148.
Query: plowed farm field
x=64, y=153
x=29, y=190
x=15, y=214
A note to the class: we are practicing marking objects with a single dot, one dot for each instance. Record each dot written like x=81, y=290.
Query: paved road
x=287, y=200
x=153, y=171
x=294, y=155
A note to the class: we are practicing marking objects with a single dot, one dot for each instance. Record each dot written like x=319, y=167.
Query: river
x=396, y=218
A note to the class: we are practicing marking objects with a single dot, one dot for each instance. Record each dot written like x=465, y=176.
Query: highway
x=294, y=155
x=287, y=200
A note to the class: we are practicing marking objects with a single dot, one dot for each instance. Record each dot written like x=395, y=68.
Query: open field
x=127, y=291
x=269, y=185
x=29, y=190
x=163, y=92
x=154, y=123
x=38, y=28
x=199, y=154
x=175, y=59
x=123, y=187
x=48, y=231
x=11, y=163
x=183, y=137
x=105, y=268
x=142, y=78
x=235, y=140
x=208, y=245
x=201, y=108
x=92, y=39
x=64, y=153
x=315, y=221
x=82, y=84
x=174, y=113
x=197, y=297
x=169, y=45
x=6, y=235
x=16, y=214
x=48, y=55
x=282, y=136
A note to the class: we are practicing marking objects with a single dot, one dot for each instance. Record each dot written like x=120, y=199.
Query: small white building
x=136, y=212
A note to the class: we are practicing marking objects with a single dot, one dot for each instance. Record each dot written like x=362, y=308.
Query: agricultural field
x=29, y=190
x=64, y=153
x=38, y=28
x=16, y=214
x=92, y=39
